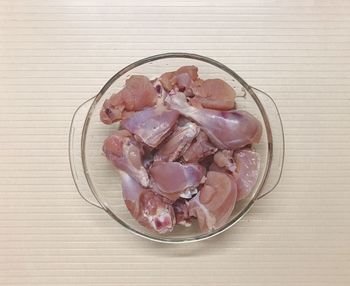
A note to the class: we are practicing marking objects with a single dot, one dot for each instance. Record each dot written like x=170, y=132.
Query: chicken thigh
x=148, y=208
x=173, y=179
x=137, y=94
x=215, y=94
x=214, y=203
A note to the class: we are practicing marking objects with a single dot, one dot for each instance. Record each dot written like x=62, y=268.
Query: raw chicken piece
x=244, y=170
x=185, y=76
x=148, y=208
x=248, y=167
x=181, y=212
x=182, y=79
x=177, y=143
x=161, y=92
x=125, y=154
x=226, y=129
x=216, y=168
x=214, y=203
x=147, y=158
x=199, y=149
x=182, y=121
x=192, y=71
x=225, y=160
x=215, y=94
x=137, y=94
x=151, y=125
x=173, y=179
x=196, y=84
x=207, y=161
x=166, y=80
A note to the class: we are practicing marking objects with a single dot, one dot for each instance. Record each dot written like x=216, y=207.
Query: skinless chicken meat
x=125, y=154
x=215, y=94
x=243, y=167
x=151, y=125
x=177, y=143
x=181, y=80
x=181, y=212
x=184, y=152
x=248, y=166
x=137, y=94
x=214, y=203
x=199, y=149
x=173, y=179
x=148, y=208
x=225, y=129
x=224, y=160
x=216, y=168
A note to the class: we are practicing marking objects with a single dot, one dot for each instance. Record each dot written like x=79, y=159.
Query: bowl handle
x=75, y=156
x=276, y=145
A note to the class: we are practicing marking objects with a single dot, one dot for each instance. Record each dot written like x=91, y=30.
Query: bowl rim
x=248, y=89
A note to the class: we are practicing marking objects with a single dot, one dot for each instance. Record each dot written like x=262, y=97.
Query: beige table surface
x=56, y=54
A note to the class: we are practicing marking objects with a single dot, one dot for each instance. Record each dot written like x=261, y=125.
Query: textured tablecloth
x=56, y=54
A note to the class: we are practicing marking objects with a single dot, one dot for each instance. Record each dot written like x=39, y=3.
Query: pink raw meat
x=148, y=208
x=248, y=167
x=161, y=92
x=152, y=125
x=215, y=94
x=125, y=154
x=216, y=168
x=225, y=129
x=199, y=149
x=224, y=159
x=173, y=179
x=177, y=143
x=244, y=169
x=214, y=203
x=137, y=94
x=182, y=79
x=181, y=212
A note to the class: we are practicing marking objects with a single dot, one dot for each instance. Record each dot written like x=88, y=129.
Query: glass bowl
x=98, y=181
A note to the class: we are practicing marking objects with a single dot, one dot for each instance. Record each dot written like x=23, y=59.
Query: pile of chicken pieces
x=182, y=149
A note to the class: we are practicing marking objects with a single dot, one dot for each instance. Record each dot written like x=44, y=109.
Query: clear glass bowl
x=98, y=181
